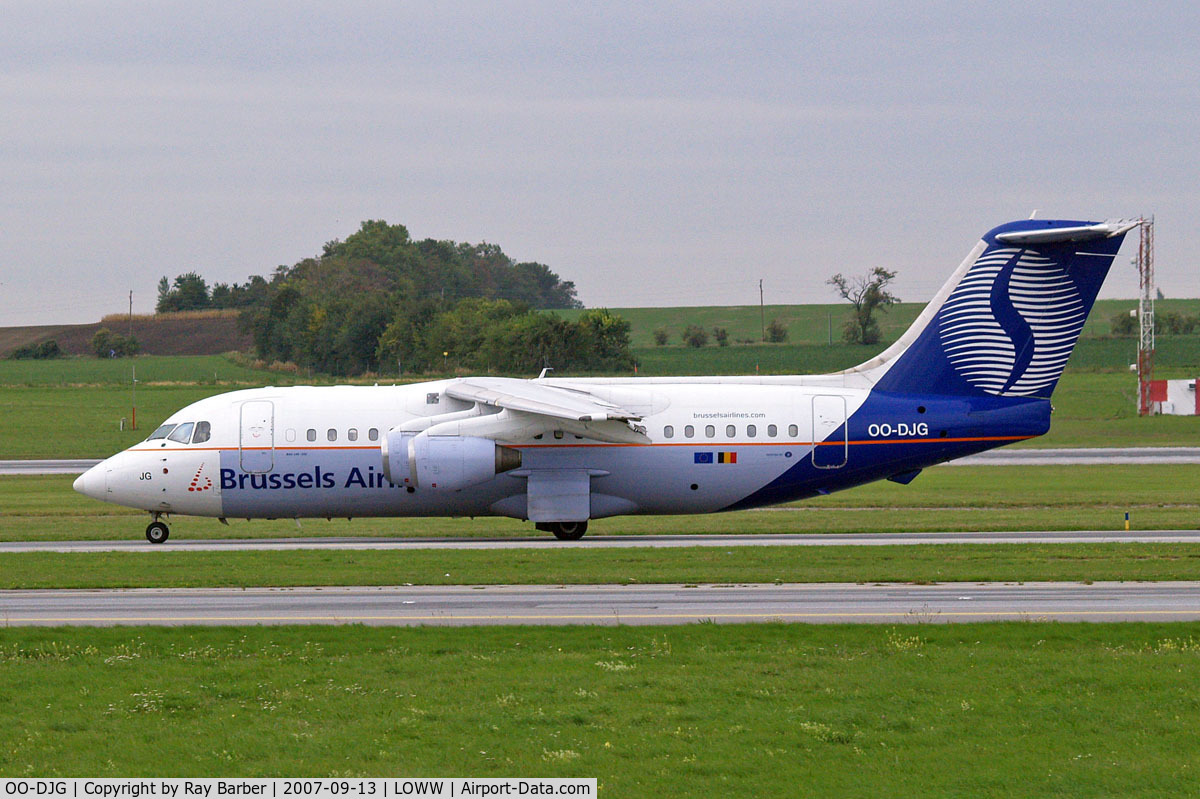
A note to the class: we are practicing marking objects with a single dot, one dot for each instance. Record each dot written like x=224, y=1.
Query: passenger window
x=730, y=430
x=352, y=434
x=751, y=431
x=709, y=431
x=793, y=431
x=290, y=435
x=772, y=430
x=203, y=433
x=373, y=434
x=161, y=432
x=331, y=434
x=689, y=431
x=668, y=432
x=182, y=434
x=311, y=435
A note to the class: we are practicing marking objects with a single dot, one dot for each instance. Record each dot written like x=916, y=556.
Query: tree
x=661, y=336
x=867, y=293
x=44, y=351
x=694, y=336
x=722, y=336
x=107, y=344
x=376, y=301
x=777, y=332
x=188, y=293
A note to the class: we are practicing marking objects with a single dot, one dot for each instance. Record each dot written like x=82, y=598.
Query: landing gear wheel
x=568, y=531
x=157, y=532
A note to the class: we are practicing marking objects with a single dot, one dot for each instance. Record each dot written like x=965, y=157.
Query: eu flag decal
x=702, y=457
x=714, y=457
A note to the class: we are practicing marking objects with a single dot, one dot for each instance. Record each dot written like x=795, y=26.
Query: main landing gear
x=156, y=531
x=564, y=531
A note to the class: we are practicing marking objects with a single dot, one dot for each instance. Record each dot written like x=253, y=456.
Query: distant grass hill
x=820, y=324
x=182, y=333
x=807, y=351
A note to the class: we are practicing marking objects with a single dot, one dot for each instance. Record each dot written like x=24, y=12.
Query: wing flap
x=529, y=396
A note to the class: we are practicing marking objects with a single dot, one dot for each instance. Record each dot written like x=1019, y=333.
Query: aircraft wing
x=531, y=396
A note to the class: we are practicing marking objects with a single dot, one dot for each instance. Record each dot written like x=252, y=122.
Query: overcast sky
x=666, y=154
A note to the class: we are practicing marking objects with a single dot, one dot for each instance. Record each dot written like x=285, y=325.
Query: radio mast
x=1145, y=361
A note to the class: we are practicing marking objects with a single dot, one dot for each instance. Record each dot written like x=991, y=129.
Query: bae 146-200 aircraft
x=973, y=372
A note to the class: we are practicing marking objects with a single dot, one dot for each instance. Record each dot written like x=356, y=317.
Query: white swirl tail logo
x=1011, y=323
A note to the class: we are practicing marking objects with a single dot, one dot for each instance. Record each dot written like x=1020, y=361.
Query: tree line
x=379, y=301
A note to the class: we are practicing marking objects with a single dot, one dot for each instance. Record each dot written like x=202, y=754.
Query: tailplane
x=1008, y=318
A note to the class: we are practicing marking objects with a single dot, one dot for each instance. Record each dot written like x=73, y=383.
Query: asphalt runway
x=46, y=466
x=997, y=457
x=139, y=544
x=610, y=604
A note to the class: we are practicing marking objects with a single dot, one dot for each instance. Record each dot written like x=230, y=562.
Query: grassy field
x=152, y=370
x=818, y=324
x=923, y=563
x=942, y=498
x=1021, y=709
x=1175, y=356
x=48, y=420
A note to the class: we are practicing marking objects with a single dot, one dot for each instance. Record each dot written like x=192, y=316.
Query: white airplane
x=973, y=372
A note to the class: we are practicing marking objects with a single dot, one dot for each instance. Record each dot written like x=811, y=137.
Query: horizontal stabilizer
x=1063, y=235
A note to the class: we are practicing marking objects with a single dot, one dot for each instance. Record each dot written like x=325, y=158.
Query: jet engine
x=444, y=463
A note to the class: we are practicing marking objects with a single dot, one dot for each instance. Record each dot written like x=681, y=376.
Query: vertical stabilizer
x=1008, y=318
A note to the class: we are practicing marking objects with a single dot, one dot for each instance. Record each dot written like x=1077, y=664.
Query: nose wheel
x=157, y=532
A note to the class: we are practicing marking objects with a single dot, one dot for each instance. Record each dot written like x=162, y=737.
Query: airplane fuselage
x=975, y=370
x=316, y=451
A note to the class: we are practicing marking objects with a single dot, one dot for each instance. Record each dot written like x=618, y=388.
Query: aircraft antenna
x=1145, y=361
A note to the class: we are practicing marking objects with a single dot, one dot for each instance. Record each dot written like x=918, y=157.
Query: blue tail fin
x=1007, y=320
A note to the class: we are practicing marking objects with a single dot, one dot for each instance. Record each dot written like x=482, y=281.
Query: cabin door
x=258, y=436
x=829, y=431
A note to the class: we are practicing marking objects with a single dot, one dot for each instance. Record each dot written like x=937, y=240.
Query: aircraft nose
x=91, y=482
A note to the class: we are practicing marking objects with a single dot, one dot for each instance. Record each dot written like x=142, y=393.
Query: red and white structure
x=1145, y=357
x=1173, y=397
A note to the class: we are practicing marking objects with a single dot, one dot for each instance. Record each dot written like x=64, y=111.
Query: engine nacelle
x=445, y=463
x=394, y=449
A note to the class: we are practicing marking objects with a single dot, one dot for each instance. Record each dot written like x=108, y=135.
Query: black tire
x=157, y=532
x=568, y=531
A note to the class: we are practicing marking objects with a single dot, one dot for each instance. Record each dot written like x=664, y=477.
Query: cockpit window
x=161, y=432
x=182, y=434
x=203, y=433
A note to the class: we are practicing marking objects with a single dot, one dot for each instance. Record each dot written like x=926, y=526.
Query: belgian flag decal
x=714, y=457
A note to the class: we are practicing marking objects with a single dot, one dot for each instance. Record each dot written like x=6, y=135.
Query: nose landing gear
x=156, y=531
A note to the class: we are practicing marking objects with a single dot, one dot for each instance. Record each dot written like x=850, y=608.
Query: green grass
x=941, y=498
x=806, y=324
x=918, y=563
x=1092, y=409
x=1175, y=356
x=812, y=324
x=57, y=422
x=1022, y=709
x=151, y=369
x=944, y=498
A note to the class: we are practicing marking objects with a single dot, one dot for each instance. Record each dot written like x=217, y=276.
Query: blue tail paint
x=1007, y=325
x=977, y=367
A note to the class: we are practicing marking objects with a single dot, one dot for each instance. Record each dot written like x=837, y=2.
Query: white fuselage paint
x=246, y=471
